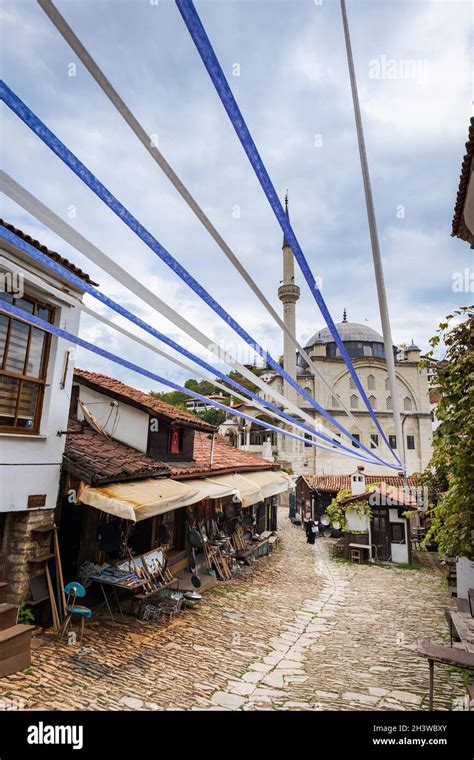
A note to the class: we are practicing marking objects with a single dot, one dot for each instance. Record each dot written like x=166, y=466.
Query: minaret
x=289, y=293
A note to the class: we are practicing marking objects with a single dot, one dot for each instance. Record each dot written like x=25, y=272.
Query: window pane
x=9, y=389
x=27, y=405
x=4, y=320
x=43, y=312
x=25, y=305
x=37, y=352
x=15, y=360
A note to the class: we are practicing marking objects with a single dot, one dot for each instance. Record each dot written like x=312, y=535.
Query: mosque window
x=389, y=403
x=352, y=382
x=371, y=383
x=373, y=402
x=407, y=405
x=354, y=401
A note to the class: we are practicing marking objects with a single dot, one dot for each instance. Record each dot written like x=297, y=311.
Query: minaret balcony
x=288, y=293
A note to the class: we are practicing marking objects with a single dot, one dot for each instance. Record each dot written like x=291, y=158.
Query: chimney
x=358, y=482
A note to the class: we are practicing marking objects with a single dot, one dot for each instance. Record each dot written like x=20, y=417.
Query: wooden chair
x=356, y=555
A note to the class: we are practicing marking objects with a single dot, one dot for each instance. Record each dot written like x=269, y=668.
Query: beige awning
x=139, y=499
x=270, y=482
x=247, y=492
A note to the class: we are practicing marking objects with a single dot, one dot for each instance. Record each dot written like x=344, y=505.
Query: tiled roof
x=334, y=483
x=459, y=227
x=225, y=458
x=140, y=397
x=92, y=457
x=396, y=494
x=51, y=254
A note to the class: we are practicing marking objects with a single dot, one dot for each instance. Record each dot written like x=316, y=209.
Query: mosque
x=365, y=347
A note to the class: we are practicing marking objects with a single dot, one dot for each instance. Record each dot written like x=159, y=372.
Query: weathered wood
x=16, y=662
x=14, y=640
x=8, y=615
x=464, y=625
x=448, y=655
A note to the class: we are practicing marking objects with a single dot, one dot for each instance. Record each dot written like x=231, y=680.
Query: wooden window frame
x=40, y=381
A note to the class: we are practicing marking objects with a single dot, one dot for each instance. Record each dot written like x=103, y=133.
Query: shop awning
x=270, y=482
x=139, y=499
x=247, y=492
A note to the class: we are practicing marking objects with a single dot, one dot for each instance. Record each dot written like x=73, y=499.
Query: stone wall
x=21, y=543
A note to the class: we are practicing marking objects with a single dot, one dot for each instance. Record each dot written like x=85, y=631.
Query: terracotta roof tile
x=226, y=458
x=51, y=254
x=140, y=397
x=334, y=483
x=95, y=459
x=459, y=228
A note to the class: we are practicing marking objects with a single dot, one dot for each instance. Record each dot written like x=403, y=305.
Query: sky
x=285, y=61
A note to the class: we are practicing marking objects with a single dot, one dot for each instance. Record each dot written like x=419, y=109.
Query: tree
x=213, y=416
x=452, y=463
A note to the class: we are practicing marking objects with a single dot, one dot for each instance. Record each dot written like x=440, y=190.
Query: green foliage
x=25, y=615
x=452, y=465
x=213, y=416
x=337, y=511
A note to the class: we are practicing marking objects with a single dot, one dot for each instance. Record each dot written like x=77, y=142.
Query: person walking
x=311, y=531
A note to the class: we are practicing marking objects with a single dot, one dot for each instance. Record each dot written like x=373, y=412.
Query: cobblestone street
x=300, y=631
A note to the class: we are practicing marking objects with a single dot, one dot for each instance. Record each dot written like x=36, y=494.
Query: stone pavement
x=299, y=631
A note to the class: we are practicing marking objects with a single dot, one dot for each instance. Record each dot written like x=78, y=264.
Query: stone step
x=16, y=662
x=3, y=591
x=8, y=615
x=15, y=640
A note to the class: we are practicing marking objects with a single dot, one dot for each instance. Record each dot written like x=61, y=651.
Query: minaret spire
x=289, y=293
x=344, y=315
x=285, y=241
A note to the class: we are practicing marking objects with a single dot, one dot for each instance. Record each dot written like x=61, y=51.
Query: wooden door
x=380, y=527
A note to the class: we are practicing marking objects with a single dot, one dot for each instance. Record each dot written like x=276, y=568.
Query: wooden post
x=431, y=667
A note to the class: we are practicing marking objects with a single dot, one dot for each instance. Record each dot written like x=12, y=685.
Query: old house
x=35, y=386
x=140, y=474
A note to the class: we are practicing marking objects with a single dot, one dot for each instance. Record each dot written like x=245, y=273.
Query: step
x=15, y=663
x=3, y=591
x=15, y=640
x=8, y=615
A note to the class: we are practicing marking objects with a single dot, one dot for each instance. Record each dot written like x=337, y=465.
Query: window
x=374, y=440
x=392, y=439
x=357, y=437
x=407, y=406
x=336, y=441
x=335, y=402
x=373, y=402
x=23, y=366
x=410, y=442
x=371, y=383
x=308, y=437
x=389, y=403
x=397, y=533
x=354, y=401
x=352, y=382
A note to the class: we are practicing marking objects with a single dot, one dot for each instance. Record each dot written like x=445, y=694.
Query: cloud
x=293, y=85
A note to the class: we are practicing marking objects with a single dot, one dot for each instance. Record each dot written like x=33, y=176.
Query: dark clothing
x=311, y=531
